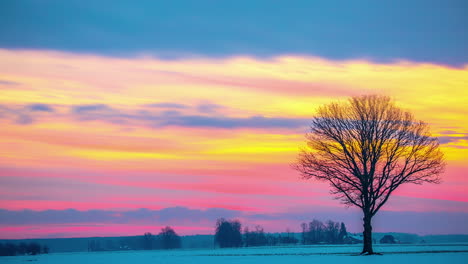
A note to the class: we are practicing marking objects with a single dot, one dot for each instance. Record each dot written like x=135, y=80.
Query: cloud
x=163, y=216
x=208, y=108
x=40, y=108
x=23, y=119
x=168, y=105
x=447, y=139
x=24, y=115
x=8, y=83
x=232, y=122
x=175, y=118
x=173, y=29
x=385, y=221
x=104, y=113
x=83, y=109
x=451, y=136
x=5, y=112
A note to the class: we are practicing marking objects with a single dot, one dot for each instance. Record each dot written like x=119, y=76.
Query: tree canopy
x=365, y=148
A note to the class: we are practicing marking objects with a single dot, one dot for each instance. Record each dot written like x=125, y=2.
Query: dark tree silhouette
x=228, y=233
x=304, y=233
x=331, y=232
x=288, y=238
x=169, y=238
x=365, y=148
x=255, y=238
x=148, y=241
x=316, y=232
x=343, y=233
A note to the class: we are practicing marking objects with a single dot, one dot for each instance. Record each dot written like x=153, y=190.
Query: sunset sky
x=117, y=119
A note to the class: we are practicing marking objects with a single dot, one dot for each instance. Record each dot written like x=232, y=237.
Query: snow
x=442, y=253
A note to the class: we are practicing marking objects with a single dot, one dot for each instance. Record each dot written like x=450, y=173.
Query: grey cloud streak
x=385, y=221
x=166, y=114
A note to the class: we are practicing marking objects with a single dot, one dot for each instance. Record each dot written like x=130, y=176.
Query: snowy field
x=441, y=253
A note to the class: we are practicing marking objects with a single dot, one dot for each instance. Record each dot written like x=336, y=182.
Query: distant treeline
x=10, y=249
x=331, y=232
x=228, y=234
x=166, y=239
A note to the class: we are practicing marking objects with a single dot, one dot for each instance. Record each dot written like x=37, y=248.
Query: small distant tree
x=169, y=238
x=315, y=232
x=255, y=238
x=318, y=232
x=261, y=239
x=343, y=233
x=148, y=241
x=365, y=149
x=331, y=232
x=247, y=237
x=228, y=233
x=304, y=235
x=288, y=238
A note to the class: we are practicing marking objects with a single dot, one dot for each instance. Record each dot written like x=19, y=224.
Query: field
x=441, y=253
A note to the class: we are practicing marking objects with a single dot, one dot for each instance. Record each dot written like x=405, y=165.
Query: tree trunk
x=367, y=248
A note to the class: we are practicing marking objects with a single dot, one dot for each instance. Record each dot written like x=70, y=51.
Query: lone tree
x=169, y=238
x=365, y=148
x=228, y=233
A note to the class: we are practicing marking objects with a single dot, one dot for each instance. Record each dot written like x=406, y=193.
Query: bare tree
x=365, y=148
x=169, y=239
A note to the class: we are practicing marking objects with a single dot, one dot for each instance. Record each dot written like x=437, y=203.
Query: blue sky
x=420, y=30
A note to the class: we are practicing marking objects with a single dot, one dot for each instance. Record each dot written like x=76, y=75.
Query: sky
x=120, y=118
